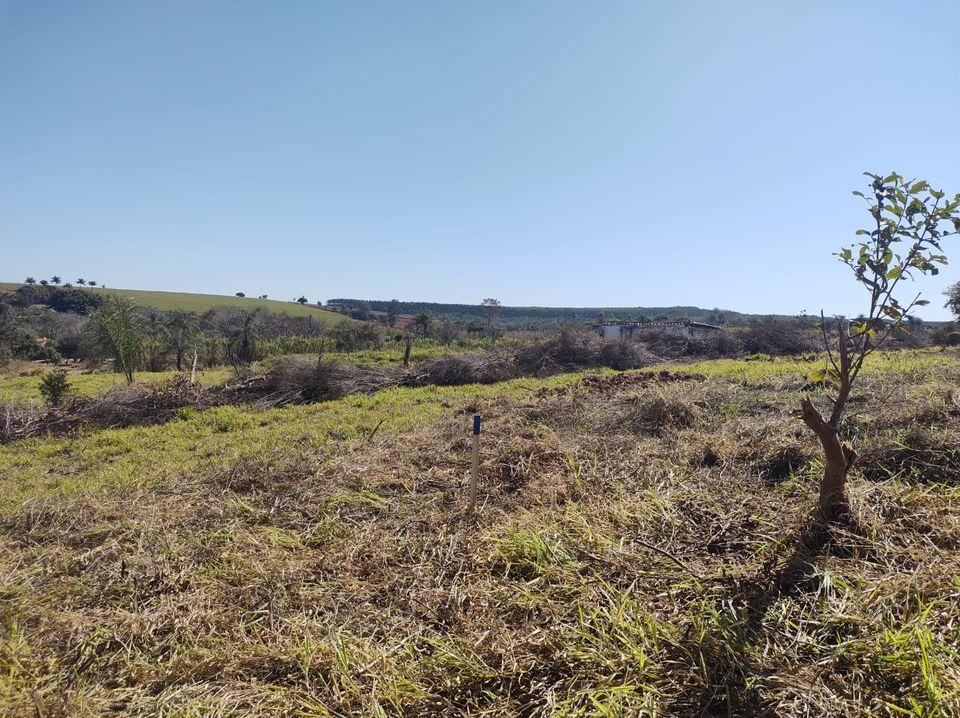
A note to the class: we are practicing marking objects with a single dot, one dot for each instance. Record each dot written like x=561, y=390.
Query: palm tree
x=182, y=330
x=91, y=283
x=44, y=282
x=119, y=328
x=55, y=279
x=81, y=281
x=29, y=280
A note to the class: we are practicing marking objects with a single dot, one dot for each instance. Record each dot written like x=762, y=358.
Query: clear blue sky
x=551, y=153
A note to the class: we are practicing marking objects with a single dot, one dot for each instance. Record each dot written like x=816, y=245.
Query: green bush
x=54, y=387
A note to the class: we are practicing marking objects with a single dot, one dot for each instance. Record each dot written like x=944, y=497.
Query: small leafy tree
x=119, y=329
x=241, y=294
x=302, y=300
x=29, y=280
x=54, y=387
x=91, y=283
x=910, y=220
x=45, y=282
x=81, y=281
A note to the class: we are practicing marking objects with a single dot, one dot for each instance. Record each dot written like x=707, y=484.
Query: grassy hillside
x=643, y=546
x=202, y=302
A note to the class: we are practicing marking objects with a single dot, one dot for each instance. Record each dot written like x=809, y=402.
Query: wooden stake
x=475, y=468
x=193, y=369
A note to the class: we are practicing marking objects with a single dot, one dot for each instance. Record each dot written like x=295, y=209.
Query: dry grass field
x=643, y=546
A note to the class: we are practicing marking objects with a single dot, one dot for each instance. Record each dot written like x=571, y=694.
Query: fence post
x=475, y=468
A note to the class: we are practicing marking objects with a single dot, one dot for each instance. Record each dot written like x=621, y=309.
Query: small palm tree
x=55, y=279
x=44, y=282
x=29, y=280
x=81, y=281
x=119, y=328
x=182, y=330
x=421, y=322
x=91, y=283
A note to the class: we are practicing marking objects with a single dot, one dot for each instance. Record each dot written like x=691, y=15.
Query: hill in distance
x=199, y=303
x=533, y=317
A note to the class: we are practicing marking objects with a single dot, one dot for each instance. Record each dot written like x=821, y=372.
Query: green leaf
x=893, y=273
x=918, y=187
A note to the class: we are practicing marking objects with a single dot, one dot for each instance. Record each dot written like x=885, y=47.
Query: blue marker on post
x=476, y=425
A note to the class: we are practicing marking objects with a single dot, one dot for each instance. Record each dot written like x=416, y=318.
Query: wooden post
x=408, y=345
x=475, y=468
x=193, y=369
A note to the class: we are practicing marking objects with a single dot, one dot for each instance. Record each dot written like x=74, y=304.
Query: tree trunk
x=838, y=457
x=179, y=359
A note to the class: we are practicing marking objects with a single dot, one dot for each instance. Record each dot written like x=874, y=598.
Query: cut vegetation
x=644, y=545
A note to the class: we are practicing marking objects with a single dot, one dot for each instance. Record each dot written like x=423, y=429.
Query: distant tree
x=29, y=280
x=241, y=294
x=262, y=296
x=77, y=301
x=910, y=219
x=421, y=323
x=55, y=280
x=362, y=311
x=953, y=299
x=67, y=285
x=490, y=309
x=45, y=282
x=81, y=281
x=716, y=316
x=393, y=311
x=242, y=339
x=302, y=300
x=91, y=283
x=119, y=329
x=182, y=329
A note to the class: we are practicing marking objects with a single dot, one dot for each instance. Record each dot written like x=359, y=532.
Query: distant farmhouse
x=622, y=331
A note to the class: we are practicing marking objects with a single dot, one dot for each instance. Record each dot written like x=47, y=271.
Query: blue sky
x=551, y=153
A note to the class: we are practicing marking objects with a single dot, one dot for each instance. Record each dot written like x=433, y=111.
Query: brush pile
x=133, y=405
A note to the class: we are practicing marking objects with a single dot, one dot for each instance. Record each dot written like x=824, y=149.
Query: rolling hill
x=167, y=301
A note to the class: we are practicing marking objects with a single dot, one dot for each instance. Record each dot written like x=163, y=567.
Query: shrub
x=54, y=387
x=351, y=336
